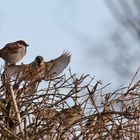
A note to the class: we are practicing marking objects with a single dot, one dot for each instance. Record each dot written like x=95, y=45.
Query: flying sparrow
x=38, y=70
x=13, y=52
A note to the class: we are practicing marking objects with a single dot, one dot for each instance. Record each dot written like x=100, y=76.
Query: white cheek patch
x=42, y=62
x=20, y=45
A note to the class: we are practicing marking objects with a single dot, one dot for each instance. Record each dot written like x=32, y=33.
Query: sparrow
x=13, y=52
x=39, y=69
x=69, y=116
x=66, y=117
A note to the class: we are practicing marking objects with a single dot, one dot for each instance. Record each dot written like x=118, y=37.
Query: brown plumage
x=13, y=52
x=54, y=67
x=39, y=69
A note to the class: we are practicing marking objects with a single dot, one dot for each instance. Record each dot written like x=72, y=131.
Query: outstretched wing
x=12, y=70
x=49, y=69
x=54, y=67
x=25, y=72
x=18, y=71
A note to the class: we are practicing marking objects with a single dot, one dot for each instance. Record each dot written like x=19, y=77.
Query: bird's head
x=39, y=60
x=21, y=42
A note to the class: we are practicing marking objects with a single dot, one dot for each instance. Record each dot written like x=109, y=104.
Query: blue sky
x=50, y=27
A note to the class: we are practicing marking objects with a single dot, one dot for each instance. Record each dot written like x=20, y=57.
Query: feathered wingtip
x=67, y=54
x=56, y=66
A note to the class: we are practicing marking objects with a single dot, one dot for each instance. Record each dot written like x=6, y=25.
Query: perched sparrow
x=13, y=52
x=65, y=117
x=71, y=115
x=38, y=70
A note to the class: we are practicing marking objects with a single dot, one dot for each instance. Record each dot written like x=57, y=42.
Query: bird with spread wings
x=39, y=69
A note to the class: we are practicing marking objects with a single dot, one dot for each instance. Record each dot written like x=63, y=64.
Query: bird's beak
x=27, y=45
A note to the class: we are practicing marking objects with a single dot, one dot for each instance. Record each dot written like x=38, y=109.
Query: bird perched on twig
x=13, y=52
x=39, y=69
x=69, y=116
x=66, y=117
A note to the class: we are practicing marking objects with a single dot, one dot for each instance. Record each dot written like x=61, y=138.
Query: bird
x=66, y=117
x=13, y=52
x=39, y=69
x=69, y=116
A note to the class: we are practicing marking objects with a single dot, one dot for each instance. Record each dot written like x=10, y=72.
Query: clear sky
x=52, y=26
